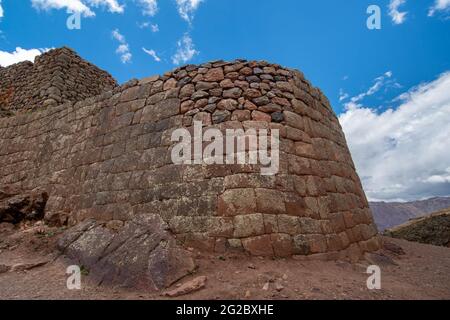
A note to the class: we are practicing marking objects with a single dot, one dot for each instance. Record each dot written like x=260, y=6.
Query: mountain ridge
x=391, y=214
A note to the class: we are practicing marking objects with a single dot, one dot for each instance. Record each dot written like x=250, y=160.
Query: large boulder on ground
x=16, y=206
x=140, y=254
x=432, y=229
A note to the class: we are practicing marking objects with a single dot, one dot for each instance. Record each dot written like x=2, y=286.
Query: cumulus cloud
x=1, y=10
x=185, y=50
x=439, y=5
x=19, y=55
x=71, y=5
x=403, y=153
x=112, y=5
x=187, y=8
x=123, y=49
x=152, y=54
x=80, y=6
x=149, y=7
x=397, y=16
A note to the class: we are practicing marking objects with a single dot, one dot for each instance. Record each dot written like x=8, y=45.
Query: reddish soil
x=421, y=272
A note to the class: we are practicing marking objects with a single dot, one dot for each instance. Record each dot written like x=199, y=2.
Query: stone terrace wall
x=56, y=77
x=108, y=157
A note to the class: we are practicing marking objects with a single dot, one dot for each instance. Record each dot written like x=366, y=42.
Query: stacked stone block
x=109, y=157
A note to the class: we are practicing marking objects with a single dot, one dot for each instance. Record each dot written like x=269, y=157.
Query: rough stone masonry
x=102, y=152
x=56, y=77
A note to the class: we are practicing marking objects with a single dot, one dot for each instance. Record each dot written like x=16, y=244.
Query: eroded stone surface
x=142, y=254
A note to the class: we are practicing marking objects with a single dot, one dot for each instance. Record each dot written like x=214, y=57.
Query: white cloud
x=153, y=54
x=126, y=57
x=439, y=5
x=72, y=5
x=1, y=10
x=185, y=50
x=149, y=7
x=153, y=27
x=379, y=82
x=118, y=36
x=343, y=95
x=112, y=5
x=123, y=49
x=187, y=8
x=81, y=6
x=19, y=55
x=144, y=25
x=397, y=16
x=403, y=153
x=442, y=178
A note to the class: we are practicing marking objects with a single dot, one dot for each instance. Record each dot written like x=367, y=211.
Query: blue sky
x=327, y=40
x=357, y=68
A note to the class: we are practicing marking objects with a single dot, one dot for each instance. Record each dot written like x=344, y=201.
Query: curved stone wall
x=109, y=157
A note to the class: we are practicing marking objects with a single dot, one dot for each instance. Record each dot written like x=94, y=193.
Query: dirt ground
x=30, y=269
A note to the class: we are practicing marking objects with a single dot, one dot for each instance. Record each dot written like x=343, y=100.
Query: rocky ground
x=30, y=269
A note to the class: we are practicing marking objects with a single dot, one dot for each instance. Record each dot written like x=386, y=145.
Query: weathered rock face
x=109, y=158
x=16, y=206
x=57, y=76
x=139, y=253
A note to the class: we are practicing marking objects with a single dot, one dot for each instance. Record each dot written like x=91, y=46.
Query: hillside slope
x=391, y=214
x=432, y=229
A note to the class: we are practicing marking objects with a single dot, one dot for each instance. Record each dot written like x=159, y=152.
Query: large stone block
x=282, y=245
x=270, y=201
x=161, y=110
x=259, y=246
x=248, y=225
x=236, y=202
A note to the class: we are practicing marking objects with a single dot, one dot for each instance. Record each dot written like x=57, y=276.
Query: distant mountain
x=391, y=214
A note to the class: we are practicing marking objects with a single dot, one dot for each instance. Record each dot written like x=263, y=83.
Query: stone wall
x=56, y=77
x=109, y=158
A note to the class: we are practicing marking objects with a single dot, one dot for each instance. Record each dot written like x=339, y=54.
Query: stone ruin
x=56, y=77
x=101, y=153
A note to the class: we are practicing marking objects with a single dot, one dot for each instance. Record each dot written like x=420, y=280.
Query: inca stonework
x=56, y=77
x=104, y=152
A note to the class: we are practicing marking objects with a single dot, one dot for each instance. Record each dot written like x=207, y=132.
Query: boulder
x=142, y=254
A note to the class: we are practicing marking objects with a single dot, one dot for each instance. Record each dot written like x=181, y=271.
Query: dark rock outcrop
x=16, y=207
